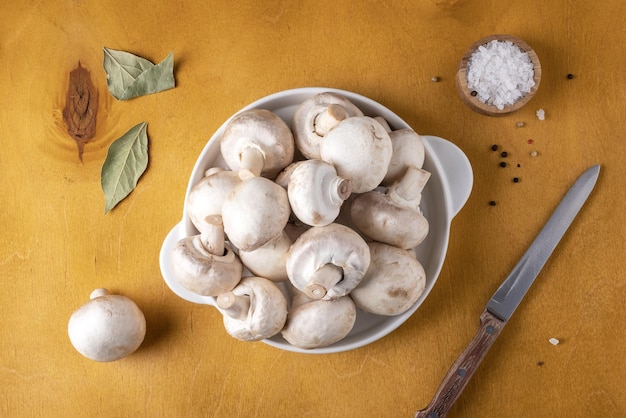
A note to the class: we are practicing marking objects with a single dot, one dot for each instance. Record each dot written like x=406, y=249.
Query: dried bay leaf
x=130, y=76
x=126, y=161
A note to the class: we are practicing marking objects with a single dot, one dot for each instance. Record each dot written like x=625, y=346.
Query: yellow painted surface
x=57, y=244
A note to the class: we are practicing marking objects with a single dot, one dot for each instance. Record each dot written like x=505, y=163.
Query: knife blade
x=509, y=295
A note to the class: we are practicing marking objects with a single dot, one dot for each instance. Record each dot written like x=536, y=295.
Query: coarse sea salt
x=541, y=114
x=500, y=73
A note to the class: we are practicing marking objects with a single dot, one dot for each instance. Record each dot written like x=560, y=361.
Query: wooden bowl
x=466, y=93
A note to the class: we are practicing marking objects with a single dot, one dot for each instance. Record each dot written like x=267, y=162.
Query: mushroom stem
x=212, y=237
x=212, y=170
x=323, y=279
x=329, y=118
x=410, y=186
x=235, y=306
x=339, y=190
x=99, y=292
x=252, y=161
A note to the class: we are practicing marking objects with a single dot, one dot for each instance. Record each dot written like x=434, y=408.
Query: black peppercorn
x=502, y=164
x=570, y=76
x=474, y=93
x=515, y=180
x=504, y=154
x=494, y=147
x=492, y=203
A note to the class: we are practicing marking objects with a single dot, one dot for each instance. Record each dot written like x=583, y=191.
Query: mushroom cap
x=267, y=313
x=393, y=282
x=305, y=135
x=269, y=260
x=201, y=272
x=316, y=193
x=333, y=244
x=408, y=150
x=107, y=328
x=360, y=149
x=255, y=212
x=384, y=220
x=263, y=130
x=294, y=230
x=283, y=177
x=208, y=195
x=319, y=323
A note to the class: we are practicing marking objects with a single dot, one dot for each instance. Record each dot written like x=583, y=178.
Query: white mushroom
x=257, y=142
x=255, y=212
x=318, y=323
x=283, y=177
x=269, y=260
x=394, y=217
x=327, y=261
x=360, y=149
x=254, y=310
x=383, y=122
x=107, y=327
x=408, y=151
x=316, y=192
x=316, y=116
x=205, y=264
x=393, y=282
x=208, y=195
x=295, y=229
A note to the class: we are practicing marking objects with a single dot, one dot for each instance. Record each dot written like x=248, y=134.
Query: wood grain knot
x=81, y=107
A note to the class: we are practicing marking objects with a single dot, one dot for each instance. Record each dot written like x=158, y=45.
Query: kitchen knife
x=506, y=299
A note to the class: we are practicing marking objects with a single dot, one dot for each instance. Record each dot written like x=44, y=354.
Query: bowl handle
x=458, y=177
x=168, y=274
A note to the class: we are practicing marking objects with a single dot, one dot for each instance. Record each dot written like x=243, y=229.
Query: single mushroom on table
x=208, y=195
x=314, y=323
x=327, y=262
x=257, y=142
x=360, y=149
x=408, y=151
x=108, y=327
x=316, y=116
x=393, y=282
x=255, y=213
x=254, y=310
x=205, y=264
x=316, y=192
x=394, y=217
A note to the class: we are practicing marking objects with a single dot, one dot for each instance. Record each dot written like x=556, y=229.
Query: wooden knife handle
x=463, y=368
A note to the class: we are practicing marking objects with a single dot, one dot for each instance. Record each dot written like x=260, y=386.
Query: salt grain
x=554, y=341
x=500, y=73
x=541, y=114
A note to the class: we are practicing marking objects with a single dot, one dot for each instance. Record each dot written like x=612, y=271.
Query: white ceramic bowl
x=445, y=194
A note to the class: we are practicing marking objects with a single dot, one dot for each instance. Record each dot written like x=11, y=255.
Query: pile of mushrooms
x=273, y=246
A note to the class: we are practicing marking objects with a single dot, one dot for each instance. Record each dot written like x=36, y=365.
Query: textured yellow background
x=57, y=245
